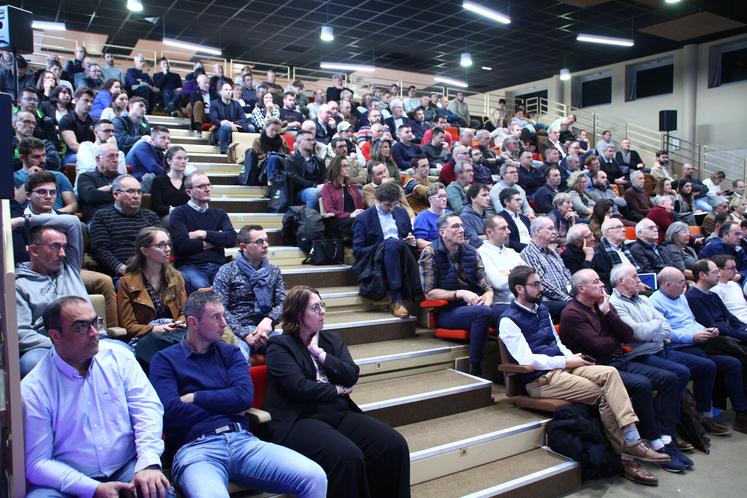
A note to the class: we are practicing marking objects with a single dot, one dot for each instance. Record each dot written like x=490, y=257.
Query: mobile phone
x=588, y=358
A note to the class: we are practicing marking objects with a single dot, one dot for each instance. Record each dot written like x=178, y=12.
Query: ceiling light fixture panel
x=134, y=5
x=192, y=46
x=605, y=40
x=343, y=66
x=450, y=81
x=48, y=26
x=327, y=34
x=486, y=12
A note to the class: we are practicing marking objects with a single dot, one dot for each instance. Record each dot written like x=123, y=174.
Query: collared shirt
x=524, y=236
x=618, y=249
x=733, y=298
x=679, y=315
x=556, y=278
x=196, y=207
x=388, y=224
x=498, y=263
x=79, y=428
x=495, y=193
x=517, y=345
x=427, y=264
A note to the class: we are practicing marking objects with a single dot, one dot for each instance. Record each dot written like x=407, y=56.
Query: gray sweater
x=35, y=290
x=650, y=328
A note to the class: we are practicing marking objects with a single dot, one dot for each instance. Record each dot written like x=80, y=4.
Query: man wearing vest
x=530, y=338
x=450, y=269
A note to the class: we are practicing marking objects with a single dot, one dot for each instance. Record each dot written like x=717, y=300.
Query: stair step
x=267, y=220
x=208, y=157
x=363, y=324
x=188, y=140
x=445, y=445
x=411, y=399
x=537, y=473
x=328, y=275
x=182, y=133
x=195, y=148
x=401, y=355
x=245, y=204
x=238, y=191
x=166, y=120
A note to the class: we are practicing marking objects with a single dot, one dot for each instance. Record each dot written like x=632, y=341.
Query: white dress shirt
x=524, y=236
x=498, y=263
x=81, y=428
x=388, y=224
x=517, y=346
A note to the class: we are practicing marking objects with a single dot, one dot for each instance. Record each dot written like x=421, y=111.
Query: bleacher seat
x=240, y=142
x=290, y=140
x=444, y=333
x=695, y=230
x=630, y=233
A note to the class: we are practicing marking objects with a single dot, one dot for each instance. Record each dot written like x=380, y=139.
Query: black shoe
x=714, y=428
x=475, y=369
x=689, y=464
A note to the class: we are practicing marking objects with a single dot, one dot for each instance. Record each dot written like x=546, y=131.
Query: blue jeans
x=703, y=205
x=170, y=98
x=223, y=135
x=123, y=474
x=199, y=276
x=478, y=318
x=702, y=371
x=205, y=466
x=309, y=196
x=70, y=158
x=30, y=358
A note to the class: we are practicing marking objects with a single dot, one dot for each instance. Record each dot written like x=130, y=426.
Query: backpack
x=301, y=226
x=249, y=174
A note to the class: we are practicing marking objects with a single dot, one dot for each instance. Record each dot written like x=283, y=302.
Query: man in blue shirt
x=205, y=387
x=728, y=242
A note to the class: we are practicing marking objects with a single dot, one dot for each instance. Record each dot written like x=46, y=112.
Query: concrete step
x=425, y=396
x=343, y=295
x=166, y=120
x=404, y=356
x=208, y=157
x=240, y=204
x=364, y=324
x=238, y=192
x=267, y=220
x=318, y=276
x=537, y=473
x=181, y=133
x=457, y=442
x=220, y=173
x=197, y=148
x=188, y=139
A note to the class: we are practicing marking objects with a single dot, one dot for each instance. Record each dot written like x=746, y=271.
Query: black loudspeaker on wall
x=667, y=120
x=6, y=149
x=15, y=29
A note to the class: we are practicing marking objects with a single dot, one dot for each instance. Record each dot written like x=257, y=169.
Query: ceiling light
x=484, y=11
x=465, y=60
x=671, y=1
x=565, y=74
x=346, y=67
x=327, y=34
x=48, y=26
x=134, y=5
x=192, y=46
x=605, y=40
x=449, y=81
x=487, y=68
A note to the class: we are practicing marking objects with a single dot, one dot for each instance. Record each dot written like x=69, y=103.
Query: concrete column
x=689, y=81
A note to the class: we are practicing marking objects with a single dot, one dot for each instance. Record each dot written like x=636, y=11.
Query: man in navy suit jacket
x=398, y=117
x=386, y=222
x=510, y=199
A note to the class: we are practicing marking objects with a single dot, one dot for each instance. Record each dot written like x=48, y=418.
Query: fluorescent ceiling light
x=465, y=60
x=48, y=26
x=192, y=46
x=605, y=40
x=671, y=1
x=134, y=5
x=487, y=68
x=346, y=67
x=327, y=34
x=565, y=74
x=449, y=81
x=484, y=11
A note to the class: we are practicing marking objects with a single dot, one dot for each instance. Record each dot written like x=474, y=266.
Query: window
x=593, y=91
x=649, y=79
x=727, y=64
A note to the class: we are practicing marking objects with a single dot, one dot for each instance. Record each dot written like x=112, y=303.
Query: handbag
x=326, y=252
x=278, y=192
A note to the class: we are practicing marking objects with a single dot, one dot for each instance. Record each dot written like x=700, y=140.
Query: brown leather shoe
x=399, y=310
x=740, y=423
x=645, y=453
x=683, y=445
x=635, y=472
x=714, y=428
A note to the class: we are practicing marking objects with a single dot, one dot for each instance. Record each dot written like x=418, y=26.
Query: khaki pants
x=197, y=112
x=591, y=385
x=99, y=283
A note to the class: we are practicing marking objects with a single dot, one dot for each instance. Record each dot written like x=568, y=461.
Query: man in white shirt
x=518, y=224
x=93, y=422
x=498, y=260
x=530, y=338
x=728, y=289
x=104, y=132
x=510, y=179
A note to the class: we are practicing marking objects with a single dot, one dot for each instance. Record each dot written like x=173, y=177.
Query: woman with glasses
x=167, y=190
x=46, y=83
x=311, y=375
x=341, y=198
x=151, y=296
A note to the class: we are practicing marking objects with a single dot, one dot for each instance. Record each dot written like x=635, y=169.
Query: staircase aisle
x=464, y=439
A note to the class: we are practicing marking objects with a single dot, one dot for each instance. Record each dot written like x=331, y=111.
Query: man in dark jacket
x=306, y=173
x=611, y=250
x=518, y=223
x=579, y=248
x=227, y=116
x=645, y=249
x=130, y=128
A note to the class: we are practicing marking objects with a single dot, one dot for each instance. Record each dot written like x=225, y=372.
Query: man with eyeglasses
x=690, y=336
x=200, y=234
x=425, y=225
x=93, y=422
x=252, y=290
x=44, y=127
x=728, y=289
x=32, y=154
x=451, y=270
x=728, y=242
x=649, y=257
x=591, y=325
x=113, y=229
x=23, y=126
x=612, y=250
x=530, y=338
x=104, y=133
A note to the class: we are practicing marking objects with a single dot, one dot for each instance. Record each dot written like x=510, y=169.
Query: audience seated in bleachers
x=146, y=158
x=416, y=184
x=341, y=198
x=32, y=154
x=86, y=161
x=168, y=190
x=425, y=223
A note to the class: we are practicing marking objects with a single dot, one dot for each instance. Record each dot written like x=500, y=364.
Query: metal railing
x=713, y=160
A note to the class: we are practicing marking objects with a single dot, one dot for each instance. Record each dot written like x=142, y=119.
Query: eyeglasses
x=161, y=245
x=259, y=242
x=204, y=186
x=317, y=307
x=618, y=227
x=131, y=191
x=28, y=122
x=53, y=246
x=45, y=192
x=536, y=284
x=83, y=326
x=30, y=99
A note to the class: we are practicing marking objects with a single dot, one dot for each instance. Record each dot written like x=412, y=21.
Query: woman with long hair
x=59, y=104
x=110, y=89
x=167, y=190
x=264, y=110
x=341, y=197
x=602, y=211
x=583, y=204
x=684, y=203
x=664, y=187
x=310, y=377
x=151, y=296
x=381, y=150
x=45, y=84
x=117, y=107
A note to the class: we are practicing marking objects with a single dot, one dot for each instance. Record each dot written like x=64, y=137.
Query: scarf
x=614, y=258
x=259, y=280
x=270, y=144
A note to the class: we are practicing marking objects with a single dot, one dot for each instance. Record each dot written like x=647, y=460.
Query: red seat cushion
x=290, y=140
x=459, y=334
x=259, y=379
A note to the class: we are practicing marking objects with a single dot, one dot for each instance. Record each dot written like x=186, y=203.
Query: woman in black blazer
x=310, y=376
